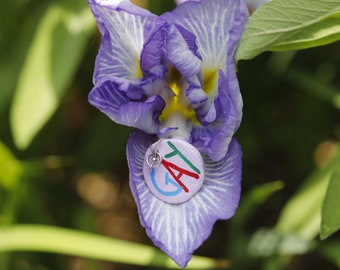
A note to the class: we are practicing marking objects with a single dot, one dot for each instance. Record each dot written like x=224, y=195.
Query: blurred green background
x=63, y=163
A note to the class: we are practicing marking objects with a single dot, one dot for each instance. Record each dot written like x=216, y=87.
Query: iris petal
x=124, y=31
x=182, y=1
x=182, y=51
x=214, y=138
x=178, y=229
x=217, y=26
x=152, y=53
x=108, y=3
x=120, y=108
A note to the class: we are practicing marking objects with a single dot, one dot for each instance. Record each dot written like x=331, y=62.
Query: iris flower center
x=179, y=102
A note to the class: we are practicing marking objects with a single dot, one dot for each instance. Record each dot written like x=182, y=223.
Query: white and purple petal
x=124, y=28
x=108, y=3
x=217, y=26
x=196, y=95
x=153, y=52
x=182, y=51
x=182, y=1
x=143, y=114
x=213, y=139
x=179, y=229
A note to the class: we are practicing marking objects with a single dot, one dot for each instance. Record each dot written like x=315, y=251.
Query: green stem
x=71, y=242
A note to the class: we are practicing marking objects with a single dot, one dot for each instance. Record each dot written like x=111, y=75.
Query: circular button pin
x=173, y=170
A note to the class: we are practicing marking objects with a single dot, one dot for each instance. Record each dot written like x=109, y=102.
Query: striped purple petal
x=143, y=114
x=179, y=229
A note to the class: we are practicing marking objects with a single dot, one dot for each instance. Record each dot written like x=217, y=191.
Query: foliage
x=62, y=164
x=51, y=61
x=290, y=25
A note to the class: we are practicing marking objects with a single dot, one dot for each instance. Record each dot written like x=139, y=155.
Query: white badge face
x=173, y=170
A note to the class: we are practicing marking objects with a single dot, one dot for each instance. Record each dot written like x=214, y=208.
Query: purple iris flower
x=173, y=76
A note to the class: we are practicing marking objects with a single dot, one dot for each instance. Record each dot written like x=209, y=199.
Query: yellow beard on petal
x=139, y=73
x=210, y=82
x=179, y=103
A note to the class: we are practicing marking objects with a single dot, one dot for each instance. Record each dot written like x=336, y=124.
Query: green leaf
x=330, y=215
x=51, y=62
x=65, y=241
x=16, y=28
x=302, y=214
x=290, y=25
x=255, y=197
x=10, y=168
x=330, y=250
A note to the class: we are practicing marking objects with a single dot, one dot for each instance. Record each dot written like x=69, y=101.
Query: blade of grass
x=43, y=238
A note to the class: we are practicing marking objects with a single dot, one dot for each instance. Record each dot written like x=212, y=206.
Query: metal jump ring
x=154, y=160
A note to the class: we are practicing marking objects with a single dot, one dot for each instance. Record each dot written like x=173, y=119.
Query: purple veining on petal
x=194, y=31
x=142, y=114
x=239, y=21
x=124, y=32
x=217, y=26
x=182, y=51
x=179, y=229
x=180, y=63
x=214, y=138
x=152, y=54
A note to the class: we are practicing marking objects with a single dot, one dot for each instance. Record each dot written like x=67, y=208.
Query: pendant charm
x=173, y=170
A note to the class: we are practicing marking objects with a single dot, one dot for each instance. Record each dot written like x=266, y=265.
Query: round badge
x=173, y=170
